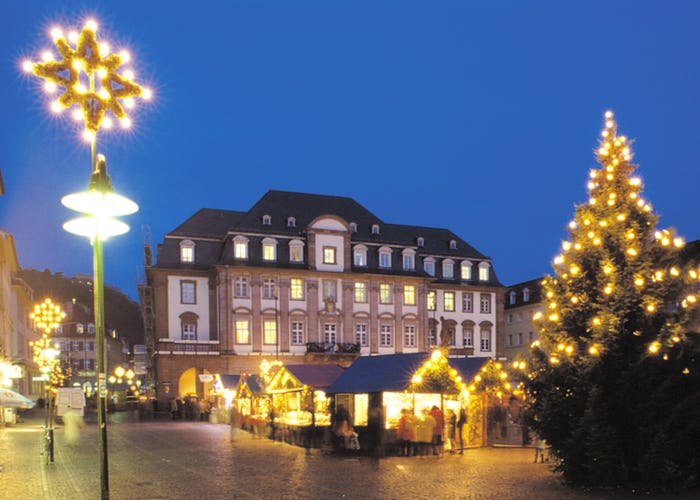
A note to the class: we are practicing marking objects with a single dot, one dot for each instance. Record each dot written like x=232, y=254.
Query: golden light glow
x=87, y=61
x=654, y=347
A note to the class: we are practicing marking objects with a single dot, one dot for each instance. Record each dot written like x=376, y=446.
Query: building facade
x=522, y=302
x=302, y=276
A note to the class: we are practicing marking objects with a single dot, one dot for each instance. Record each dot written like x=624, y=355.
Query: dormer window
x=267, y=220
x=359, y=255
x=466, y=269
x=448, y=269
x=240, y=247
x=291, y=222
x=526, y=295
x=296, y=251
x=453, y=244
x=420, y=242
x=409, y=259
x=484, y=271
x=353, y=227
x=375, y=228
x=511, y=298
x=429, y=266
x=269, y=248
x=385, y=257
x=186, y=252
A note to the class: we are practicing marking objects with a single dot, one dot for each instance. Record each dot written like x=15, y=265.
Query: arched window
x=448, y=269
x=359, y=255
x=269, y=249
x=385, y=257
x=466, y=269
x=511, y=297
x=526, y=295
x=453, y=244
x=291, y=222
x=353, y=227
x=240, y=247
x=429, y=266
x=484, y=271
x=375, y=228
x=420, y=242
x=296, y=251
x=409, y=259
x=267, y=220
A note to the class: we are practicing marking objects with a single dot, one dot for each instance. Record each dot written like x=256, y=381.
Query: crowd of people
x=430, y=432
x=190, y=408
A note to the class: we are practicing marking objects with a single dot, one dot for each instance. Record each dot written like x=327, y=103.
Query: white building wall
x=201, y=308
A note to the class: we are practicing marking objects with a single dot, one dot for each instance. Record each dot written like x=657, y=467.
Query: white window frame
x=269, y=327
x=269, y=288
x=526, y=295
x=385, y=293
x=467, y=302
x=360, y=292
x=386, y=335
x=240, y=248
x=188, y=331
x=330, y=333
x=241, y=289
x=429, y=266
x=409, y=295
x=485, y=339
x=269, y=250
x=409, y=335
x=466, y=270
x=267, y=220
x=385, y=257
x=359, y=256
x=409, y=259
x=484, y=271
x=242, y=331
x=485, y=303
x=431, y=300
x=511, y=297
x=448, y=301
x=187, y=252
x=297, y=331
x=361, y=334
x=296, y=289
x=296, y=251
x=468, y=336
x=330, y=255
x=448, y=269
x=188, y=292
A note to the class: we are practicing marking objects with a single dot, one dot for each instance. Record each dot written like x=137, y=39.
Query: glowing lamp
x=100, y=203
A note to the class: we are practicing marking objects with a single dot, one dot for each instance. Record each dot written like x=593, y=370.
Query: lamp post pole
x=98, y=268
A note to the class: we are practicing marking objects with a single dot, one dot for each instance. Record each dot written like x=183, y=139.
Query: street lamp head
x=100, y=203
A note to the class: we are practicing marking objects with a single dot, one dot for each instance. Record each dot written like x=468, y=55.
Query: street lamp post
x=91, y=84
x=47, y=317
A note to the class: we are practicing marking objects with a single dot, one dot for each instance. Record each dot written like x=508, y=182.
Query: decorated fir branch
x=88, y=74
x=618, y=274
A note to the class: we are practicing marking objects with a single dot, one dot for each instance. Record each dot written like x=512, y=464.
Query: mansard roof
x=305, y=207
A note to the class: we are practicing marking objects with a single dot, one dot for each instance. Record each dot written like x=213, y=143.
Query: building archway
x=195, y=382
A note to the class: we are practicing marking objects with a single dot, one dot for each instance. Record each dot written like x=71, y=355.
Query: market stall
x=299, y=403
x=252, y=404
x=378, y=390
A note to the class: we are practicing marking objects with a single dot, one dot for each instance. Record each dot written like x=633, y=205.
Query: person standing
x=451, y=426
x=406, y=433
x=460, y=427
x=438, y=429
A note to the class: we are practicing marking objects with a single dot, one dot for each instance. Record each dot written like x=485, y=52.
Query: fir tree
x=617, y=354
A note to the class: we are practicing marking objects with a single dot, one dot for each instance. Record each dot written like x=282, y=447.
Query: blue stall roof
x=230, y=381
x=316, y=376
x=393, y=372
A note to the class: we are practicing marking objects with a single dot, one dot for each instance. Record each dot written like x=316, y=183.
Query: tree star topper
x=88, y=75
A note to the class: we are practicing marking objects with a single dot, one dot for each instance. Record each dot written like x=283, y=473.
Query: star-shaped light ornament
x=89, y=78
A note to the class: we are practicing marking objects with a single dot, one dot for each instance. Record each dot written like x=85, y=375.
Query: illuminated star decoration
x=88, y=75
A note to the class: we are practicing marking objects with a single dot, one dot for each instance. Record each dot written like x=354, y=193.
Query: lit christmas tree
x=617, y=354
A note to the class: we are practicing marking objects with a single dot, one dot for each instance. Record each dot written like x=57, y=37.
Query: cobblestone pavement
x=165, y=459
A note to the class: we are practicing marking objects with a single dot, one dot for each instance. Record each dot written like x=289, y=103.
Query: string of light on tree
x=609, y=261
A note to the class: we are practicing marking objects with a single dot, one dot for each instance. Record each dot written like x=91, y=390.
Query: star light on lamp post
x=88, y=74
x=47, y=317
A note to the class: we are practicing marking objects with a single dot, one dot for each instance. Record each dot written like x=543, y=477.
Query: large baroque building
x=522, y=302
x=302, y=277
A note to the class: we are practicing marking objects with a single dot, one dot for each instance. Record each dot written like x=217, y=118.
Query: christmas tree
x=616, y=363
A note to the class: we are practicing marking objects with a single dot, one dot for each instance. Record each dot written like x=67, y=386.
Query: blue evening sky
x=480, y=117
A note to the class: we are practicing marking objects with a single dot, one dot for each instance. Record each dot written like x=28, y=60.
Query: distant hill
x=121, y=313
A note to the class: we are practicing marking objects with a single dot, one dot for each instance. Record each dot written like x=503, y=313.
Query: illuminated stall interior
x=298, y=393
x=414, y=381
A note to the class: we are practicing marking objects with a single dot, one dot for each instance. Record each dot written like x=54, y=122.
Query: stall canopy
x=230, y=381
x=316, y=376
x=251, y=384
x=394, y=372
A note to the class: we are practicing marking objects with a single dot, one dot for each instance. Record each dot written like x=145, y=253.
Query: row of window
x=241, y=289
x=518, y=339
x=242, y=334
x=512, y=296
x=80, y=329
x=67, y=345
x=296, y=255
